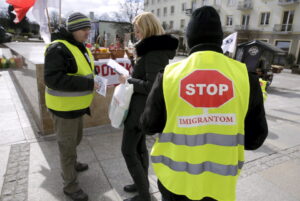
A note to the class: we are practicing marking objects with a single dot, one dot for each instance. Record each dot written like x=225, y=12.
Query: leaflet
x=117, y=67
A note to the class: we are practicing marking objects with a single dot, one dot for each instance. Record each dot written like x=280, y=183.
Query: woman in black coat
x=153, y=52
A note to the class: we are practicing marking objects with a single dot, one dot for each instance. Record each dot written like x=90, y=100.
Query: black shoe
x=80, y=167
x=130, y=188
x=78, y=196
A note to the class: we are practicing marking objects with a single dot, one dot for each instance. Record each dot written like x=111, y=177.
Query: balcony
x=287, y=2
x=245, y=5
x=241, y=27
x=283, y=28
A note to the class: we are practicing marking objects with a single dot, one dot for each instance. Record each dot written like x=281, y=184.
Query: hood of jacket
x=62, y=34
x=154, y=43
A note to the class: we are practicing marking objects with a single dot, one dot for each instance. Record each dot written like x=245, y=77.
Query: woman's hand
x=123, y=79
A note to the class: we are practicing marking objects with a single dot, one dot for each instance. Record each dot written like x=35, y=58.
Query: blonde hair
x=148, y=24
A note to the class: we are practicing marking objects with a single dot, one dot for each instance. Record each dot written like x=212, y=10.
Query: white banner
x=39, y=13
x=229, y=43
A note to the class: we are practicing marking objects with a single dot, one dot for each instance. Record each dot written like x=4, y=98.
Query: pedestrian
x=154, y=49
x=69, y=79
x=207, y=109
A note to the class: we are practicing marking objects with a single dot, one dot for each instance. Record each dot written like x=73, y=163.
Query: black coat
x=59, y=61
x=154, y=117
x=153, y=55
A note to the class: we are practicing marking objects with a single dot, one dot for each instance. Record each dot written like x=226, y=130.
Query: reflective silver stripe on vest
x=68, y=93
x=196, y=169
x=201, y=139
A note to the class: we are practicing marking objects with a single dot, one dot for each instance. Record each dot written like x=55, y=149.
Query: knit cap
x=77, y=21
x=204, y=27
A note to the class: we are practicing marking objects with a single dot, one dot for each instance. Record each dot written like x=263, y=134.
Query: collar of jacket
x=62, y=34
x=152, y=43
x=206, y=47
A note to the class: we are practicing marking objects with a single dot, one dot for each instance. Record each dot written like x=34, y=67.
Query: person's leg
x=66, y=130
x=143, y=153
x=130, y=142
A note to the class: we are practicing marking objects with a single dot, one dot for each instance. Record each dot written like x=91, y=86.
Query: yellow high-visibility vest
x=201, y=150
x=70, y=101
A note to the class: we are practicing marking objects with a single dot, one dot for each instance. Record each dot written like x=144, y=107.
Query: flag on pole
x=21, y=7
x=39, y=12
x=229, y=43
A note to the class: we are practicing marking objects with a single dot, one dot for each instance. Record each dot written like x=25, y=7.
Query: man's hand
x=96, y=86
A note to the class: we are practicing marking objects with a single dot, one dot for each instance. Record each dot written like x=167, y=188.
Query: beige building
x=273, y=21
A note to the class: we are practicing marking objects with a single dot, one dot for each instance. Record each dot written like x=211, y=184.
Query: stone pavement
x=29, y=164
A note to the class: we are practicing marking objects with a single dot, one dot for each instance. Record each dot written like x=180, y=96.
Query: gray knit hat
x=77, y=21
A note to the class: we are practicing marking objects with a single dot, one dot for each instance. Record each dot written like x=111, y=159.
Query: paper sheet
x=103, y=85
x=117, y=67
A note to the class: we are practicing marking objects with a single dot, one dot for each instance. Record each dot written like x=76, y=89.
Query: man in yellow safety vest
x=69, y=79
x=207, y=109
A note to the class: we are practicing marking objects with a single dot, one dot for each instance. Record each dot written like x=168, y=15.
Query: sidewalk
x=29, y=164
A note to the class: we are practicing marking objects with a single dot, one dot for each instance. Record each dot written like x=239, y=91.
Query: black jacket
x=59, y=61
x=153, y=54
x=154, y=117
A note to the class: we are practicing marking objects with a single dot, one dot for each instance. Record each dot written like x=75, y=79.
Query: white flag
x=39, y=13
x=229, y=43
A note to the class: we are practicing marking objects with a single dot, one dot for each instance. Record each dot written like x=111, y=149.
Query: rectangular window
x=171, y=24
x=158, y=12
x=284, y=45
x=265, y=18
x=231, y=2
x=182, y=23
x=204, y=2
x=183, y=6
x=229, y=20
x=165, y=11
x=287, y=21
x=152, y=11
x=245, y=20
x=172, y=10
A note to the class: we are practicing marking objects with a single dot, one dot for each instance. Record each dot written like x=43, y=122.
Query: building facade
x=273, y=21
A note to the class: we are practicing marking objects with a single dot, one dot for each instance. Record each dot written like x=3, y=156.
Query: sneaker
x=80, y=167
x=78, y=195
x=130, y=188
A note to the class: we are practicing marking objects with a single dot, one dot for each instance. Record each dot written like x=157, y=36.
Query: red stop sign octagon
x=206, y=89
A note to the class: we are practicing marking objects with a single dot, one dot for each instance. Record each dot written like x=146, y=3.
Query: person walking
x=207, y=109
x=69, y=80
x=154, y=49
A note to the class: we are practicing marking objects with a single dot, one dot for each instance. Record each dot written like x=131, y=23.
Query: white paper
x=102, y=82
x=117, y=67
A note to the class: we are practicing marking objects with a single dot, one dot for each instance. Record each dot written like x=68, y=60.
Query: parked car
x=4, y=36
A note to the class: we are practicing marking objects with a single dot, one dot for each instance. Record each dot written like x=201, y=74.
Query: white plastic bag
x=119, y=105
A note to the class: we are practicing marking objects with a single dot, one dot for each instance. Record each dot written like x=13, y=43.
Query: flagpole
x=47, y=13
x=59, y=13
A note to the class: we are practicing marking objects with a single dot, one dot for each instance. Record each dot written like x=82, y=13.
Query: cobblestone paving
x=269, y=161
x=15, y=186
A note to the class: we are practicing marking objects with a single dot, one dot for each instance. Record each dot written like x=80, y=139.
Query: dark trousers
x=169, y=196
x=69, y=135
x=135, y=153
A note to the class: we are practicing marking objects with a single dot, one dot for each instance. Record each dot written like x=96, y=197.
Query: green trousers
x=69, y=134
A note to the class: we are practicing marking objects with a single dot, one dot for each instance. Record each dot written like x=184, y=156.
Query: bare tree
x=127, y=12
x=54, y=20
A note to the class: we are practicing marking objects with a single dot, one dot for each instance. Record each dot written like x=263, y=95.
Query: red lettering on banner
x=104, y=70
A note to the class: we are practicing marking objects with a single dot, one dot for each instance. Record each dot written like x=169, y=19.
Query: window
x=204, y=2
x=171, y=24
x=183, y=6
x=245, y=21
x=287, y=21
x=265, y=18
x=152, y=11
x=164, y=25
x=158, y=12
x=229, y=20
x=165, y=11
x=231, y=2
x=172, y=10
x=193, y=5
x=284, y=45
x=182, y=23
